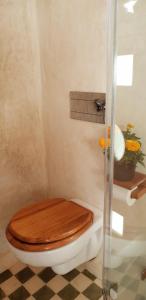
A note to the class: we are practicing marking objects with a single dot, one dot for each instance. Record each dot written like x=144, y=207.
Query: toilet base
x=88, y=253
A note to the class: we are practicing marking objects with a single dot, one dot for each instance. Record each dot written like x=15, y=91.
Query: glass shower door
x=125, y=203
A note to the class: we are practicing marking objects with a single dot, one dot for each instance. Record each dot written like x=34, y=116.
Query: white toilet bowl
x=67, y=257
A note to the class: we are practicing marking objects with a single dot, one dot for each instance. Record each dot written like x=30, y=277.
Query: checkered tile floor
x=128, y=278
x=22, y=282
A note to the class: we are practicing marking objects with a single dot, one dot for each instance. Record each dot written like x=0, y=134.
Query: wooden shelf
x=131, y=184
x=140, y=191
x=138, y=181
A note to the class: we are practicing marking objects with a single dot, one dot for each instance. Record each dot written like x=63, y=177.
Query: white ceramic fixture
x=64, y=259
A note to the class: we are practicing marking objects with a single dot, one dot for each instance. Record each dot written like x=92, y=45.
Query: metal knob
x=100, y=105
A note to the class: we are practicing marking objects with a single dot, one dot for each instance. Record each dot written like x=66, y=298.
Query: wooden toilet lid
x=49, y=221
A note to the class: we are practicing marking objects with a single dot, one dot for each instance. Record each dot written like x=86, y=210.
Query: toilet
x=56, y=233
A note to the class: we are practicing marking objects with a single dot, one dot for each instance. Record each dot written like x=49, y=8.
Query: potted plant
x=125, y=168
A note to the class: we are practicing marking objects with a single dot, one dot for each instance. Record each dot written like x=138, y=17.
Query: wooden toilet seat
x=48, y=225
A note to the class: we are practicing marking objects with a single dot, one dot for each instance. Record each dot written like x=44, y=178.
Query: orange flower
x=104, y=143
x=130, y=126
x=132, y=145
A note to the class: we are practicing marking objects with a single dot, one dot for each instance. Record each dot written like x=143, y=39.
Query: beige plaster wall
x=72, y=43
x=23, y=174
x=72, y=37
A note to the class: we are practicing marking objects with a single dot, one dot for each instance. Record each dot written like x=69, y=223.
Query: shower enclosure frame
x=110, y=122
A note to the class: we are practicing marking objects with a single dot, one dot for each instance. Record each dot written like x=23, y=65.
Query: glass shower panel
x=125, y=229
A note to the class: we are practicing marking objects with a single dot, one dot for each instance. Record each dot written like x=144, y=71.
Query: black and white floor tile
x=128, y=278
x=22, y=282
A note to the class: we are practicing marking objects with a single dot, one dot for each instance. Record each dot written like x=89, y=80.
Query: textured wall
x=73, y=54
x=72, y=42
x=23, y=174
x=72, y=57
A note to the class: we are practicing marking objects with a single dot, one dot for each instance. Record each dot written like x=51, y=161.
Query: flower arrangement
x=133, y=147
x=133, y=150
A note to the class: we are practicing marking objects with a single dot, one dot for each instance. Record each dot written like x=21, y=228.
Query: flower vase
x=124, y=172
